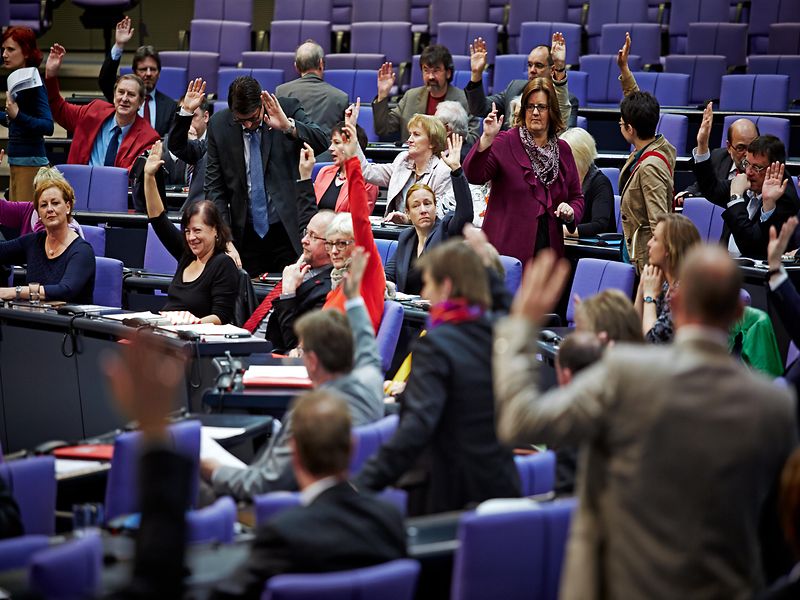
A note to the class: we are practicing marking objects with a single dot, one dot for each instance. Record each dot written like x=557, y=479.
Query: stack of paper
x=23, y=79
x=277, y=376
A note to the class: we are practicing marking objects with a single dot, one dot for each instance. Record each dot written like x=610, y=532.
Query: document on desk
x=67, y=467
x=223, y=433
x=277, y=376
x=210, y=448
x=211, y=331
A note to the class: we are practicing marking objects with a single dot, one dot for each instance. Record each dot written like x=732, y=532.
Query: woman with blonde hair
x=610, y=316
x=598, y=194
x=672, y=238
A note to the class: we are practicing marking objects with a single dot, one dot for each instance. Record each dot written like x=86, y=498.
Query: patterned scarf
x=454, y=310
x=544, y=159
x=338, y=274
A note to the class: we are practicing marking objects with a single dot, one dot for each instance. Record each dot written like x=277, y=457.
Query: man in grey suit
x=323, y=103
x=436, y=63
x=339, y=357
x=542, y=62
x=682, y=444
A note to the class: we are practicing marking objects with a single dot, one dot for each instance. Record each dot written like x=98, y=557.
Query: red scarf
x=454, y=310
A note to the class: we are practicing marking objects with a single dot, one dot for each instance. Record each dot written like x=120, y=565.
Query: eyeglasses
x=312, y=235
x=252, y=119
x=740, y=147
x=757, y=168
x=542, y=108
x=340, y=244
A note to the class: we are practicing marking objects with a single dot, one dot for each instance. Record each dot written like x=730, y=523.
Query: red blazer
x=85, y=122
x=323, y=181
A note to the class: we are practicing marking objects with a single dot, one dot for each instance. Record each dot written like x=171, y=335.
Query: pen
x=236, y=336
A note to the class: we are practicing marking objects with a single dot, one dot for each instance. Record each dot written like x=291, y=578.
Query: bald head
x=308, y=58
x=708, y=294
x=313, y=241
x=740, y=133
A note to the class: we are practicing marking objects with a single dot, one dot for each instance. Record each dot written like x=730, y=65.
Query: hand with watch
x=651, y=282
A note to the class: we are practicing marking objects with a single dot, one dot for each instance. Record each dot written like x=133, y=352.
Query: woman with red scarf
x=448, y=405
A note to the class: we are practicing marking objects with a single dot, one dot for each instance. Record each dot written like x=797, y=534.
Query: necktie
x=258, y=195
x=266, y=305
x=147, y=99
x=189, y=174
x=113, y=146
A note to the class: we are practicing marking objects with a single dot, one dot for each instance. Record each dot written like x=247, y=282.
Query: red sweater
x=374, y=283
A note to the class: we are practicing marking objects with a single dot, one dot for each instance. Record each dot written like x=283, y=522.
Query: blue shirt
x=103, y=139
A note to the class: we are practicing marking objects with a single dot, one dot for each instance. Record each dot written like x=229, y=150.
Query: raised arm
x=366, y=349
x=463, y=213
x=108, y=72
x=386, y=121
x=166, y=232
x=189, y=151
x=481, y=166
x=626, y=78
x=65, y=114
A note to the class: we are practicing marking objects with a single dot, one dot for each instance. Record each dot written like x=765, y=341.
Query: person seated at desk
x=673, y=237
x=58, y=259
x=340, y=355
x=611, y=316
x=330, y=185
x=598, y=194
x=206, y=281
x=447, y=408
x=347, y=231
x=429, y=230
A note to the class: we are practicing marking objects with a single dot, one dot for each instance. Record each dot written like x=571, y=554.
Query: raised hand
x=124, y=32
x=779, y=242
x=306, y=165
x=274, y=116
x=452, y=156
x=386, y=78
x=153, y=162
x=491, y=127
x=355, y=273
x=194, y=96
x=774, y=185
x=542, y=283
x=352, y=112
x=54, y=60
x=350, y=146
x=477, y=59
x=704, y=132
x=624, y=52
x=558, y=51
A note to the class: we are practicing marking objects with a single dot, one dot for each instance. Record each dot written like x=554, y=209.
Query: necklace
x=52, y=251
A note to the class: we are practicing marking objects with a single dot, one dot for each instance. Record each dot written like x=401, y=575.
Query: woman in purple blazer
x=535, y=184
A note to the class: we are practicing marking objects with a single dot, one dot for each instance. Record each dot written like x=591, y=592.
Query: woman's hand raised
x=154, y=162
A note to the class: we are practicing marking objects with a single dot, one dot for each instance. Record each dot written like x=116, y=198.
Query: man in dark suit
x=188, y=142
x=261, y=205
x=542, y=62
x=103, y=134
x=727, y=162
x=157, y=108
x=336, y=528
x=323, y=103
x=754, y=200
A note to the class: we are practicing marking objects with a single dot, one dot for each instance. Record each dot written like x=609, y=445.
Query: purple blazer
x=517, y=198
x=20, y=215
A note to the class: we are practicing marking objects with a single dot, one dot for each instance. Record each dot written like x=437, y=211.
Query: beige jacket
x=681, y=445
x=647, y=193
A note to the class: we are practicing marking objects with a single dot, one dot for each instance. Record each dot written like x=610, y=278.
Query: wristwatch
x=18, y=290
x=290, y=128
x=735, y=197
x=649, y=300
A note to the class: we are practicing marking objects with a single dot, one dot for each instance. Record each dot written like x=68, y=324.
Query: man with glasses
x=436, y=63
x=542, y=62
x=727, y=162
x=157, y=108
x=754, y=200
x=251, y=173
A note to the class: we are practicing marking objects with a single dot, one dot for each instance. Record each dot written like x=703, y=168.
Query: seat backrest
x=283, y=61
x=778, y=64
x=777, y=126
x=15, y=552
x=395, y=580
x=368, y=123
x=369, y=438
x=68, y=570
x=354, y=61
x=464, y=11
x=389, y=332
x=96, y=236
x=537, y=472
x=761, y=93
x=302, y=10
x=784, y=38
x=675, y=128
x=108, y=282
x=513, y=272
x=508, y=67
x=671, y=89
x=613, y=11
x=540, y=33
x=156, y=257
x=343, y=79
x=32, y=483
x=613, y=176
x=227, y=38
x=457, y=37
x=383, y=249
x=726, y=39
x=683, y=12
x=647, y=36
x=80, y=178
x=108, y=191
x=618, y=211
x=393, y=40
x=702, y=213
x=199, y=64
x=224, y=10
x=603, y=85
x=528, y=11
x=593, y=275
x=381, y=10
x=286, y=36
x=705, y=73
x=212, y=523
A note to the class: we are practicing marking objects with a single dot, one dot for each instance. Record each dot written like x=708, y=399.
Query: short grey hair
x=584, y=148
x=341, y=224
x=308, y=56
x=453, y=116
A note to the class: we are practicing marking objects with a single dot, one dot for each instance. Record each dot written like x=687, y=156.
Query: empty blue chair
x=757, y=93
x=393, y=40
x=613, y=11
x=68, y=571
x=15, y=552
x=513, y=276
x=537, y=472
x=317, y=167
x=389, y=332
x=646, y=36
x=354, y=82
x=386, y=249
x=540, y=33
x=32, y=483
x=764, y=14
x=593, y=275
x=212, y=523
x=80, y=178
x=303, y=9
x=381, y=10
x=778, y=64
x=369, y=438
x=354, y=61
x=457, y=37
x=462, y=78
x=508, y=67
x=603, y=89
x=96, y=236
x=707, y=217
x=784, y=38
x=156, y=257
x=613, y=176
x=199, y=63
x=675, y=128
x=530, y=11
x=224, y=10
x=395, y=580
x=582, y=122
x=777, y=126
x=287, y=35
x=108, y=191
x=705, y=73
x=670, y=89
x=366, y=121
x=283, y=61
x=726, y=39
x=108, y=282
x=683, y=12
x=578, y=84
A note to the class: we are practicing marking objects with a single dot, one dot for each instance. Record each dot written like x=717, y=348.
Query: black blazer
x=189, y=152
x=452, y=224
x=721, y=163
x=751, y=236
x=447, y=412
x=165, y=106
x=226, y=177
x=598, y=205
x=310, y=295
x=341, y=529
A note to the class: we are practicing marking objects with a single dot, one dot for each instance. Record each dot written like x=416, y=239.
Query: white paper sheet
x=210, y=448
x=278, y=371
x=223, y=433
